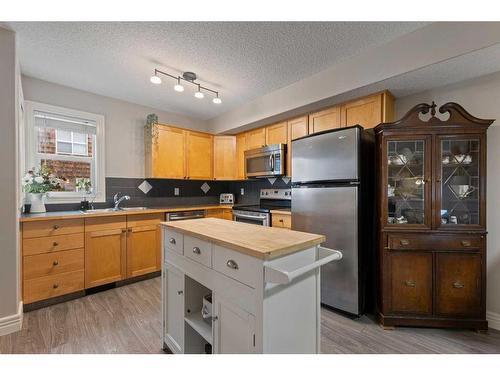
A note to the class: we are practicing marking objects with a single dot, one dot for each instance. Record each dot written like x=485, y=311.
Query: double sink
x=101, y=210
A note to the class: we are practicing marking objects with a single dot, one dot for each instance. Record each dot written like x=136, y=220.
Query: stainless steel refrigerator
x=332, y=194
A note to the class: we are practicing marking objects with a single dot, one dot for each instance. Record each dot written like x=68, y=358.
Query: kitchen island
x=231, y=287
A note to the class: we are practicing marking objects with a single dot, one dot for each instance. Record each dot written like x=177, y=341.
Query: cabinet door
x=234, y=328
x=460, y=182
x=105, y=256
x=255, y=138
x=227, y=214
x=297, y=128
x=199, y=149
x=224, y=158
x=276, y=133
x=410, y=282
x=168, y=153
x=143, y=244
x=324, y=120
x=406, y=189
x=240, y=156
x=366, y=112
x=174, y=308
x=458, y=284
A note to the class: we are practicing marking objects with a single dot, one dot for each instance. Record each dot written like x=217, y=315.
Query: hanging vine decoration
x=151, y=128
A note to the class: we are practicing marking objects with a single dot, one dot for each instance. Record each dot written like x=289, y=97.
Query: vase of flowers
x=37, y=183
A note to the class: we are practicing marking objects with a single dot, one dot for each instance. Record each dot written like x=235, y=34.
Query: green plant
x=83, y=184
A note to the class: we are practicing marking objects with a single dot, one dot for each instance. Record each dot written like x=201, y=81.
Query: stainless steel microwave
x=267, y=161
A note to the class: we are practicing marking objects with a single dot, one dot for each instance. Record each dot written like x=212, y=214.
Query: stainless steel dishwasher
x=185, y=215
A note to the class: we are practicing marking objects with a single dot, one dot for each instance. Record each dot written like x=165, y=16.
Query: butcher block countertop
x=254, y=240
x=79, y=214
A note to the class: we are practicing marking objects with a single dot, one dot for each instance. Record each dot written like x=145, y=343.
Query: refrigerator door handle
x=280, y=276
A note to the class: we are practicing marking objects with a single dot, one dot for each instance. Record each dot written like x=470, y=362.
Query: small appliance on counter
x=260, y=214
x=226, y=198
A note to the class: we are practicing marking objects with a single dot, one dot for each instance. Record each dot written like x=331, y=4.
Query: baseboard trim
x=12, y=323
x=493, y=320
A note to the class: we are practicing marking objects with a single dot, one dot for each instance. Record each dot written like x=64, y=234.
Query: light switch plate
x=242, y=191
x=176, y=191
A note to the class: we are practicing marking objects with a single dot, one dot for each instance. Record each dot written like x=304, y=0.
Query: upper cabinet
x=297, y=127
x=165, y=152
x=199, y=149
x=324, y=120
x=255, y=138
x=225, y=157
x=276, y=133
x=369, y=111
x=241, y=146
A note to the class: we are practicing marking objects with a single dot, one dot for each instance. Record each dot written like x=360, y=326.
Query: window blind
x=51, y=120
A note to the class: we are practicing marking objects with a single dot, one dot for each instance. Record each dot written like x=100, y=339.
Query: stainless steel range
x=260, y=214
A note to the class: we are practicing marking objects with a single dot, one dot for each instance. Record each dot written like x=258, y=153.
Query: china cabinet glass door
x=459, y=182
x=407, y=195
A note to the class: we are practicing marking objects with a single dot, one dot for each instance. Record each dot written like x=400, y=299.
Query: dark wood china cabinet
x=432, y=219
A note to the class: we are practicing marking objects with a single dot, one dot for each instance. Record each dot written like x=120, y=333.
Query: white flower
x=39, y=179
x=27, y=179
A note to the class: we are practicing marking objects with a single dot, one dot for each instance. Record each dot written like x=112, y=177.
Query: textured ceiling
x=241, y=60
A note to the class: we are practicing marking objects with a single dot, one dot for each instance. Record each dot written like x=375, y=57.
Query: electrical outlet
x=242, y=191
x=176, y=191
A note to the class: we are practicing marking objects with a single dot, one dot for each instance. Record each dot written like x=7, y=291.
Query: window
x=71, y=144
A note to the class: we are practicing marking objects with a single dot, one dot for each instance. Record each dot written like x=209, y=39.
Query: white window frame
x=98, y=151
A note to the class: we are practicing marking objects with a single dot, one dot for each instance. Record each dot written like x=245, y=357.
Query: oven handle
x=261, y=218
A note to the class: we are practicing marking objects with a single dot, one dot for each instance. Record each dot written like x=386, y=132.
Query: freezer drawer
x=333, y=212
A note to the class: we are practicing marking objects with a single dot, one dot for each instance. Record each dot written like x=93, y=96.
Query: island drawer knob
x=232, y=264
x=196, y=250
x=172, y=241
x=55, y=263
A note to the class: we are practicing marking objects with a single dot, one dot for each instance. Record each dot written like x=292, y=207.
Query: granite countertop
x=254, y=240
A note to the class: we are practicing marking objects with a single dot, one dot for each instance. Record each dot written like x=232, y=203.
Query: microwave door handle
x=271, y=161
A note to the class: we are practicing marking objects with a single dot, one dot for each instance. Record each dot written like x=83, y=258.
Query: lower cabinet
x=220, y=213
x=173, y=290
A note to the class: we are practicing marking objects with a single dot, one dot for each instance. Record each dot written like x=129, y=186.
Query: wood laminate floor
x=127, y=320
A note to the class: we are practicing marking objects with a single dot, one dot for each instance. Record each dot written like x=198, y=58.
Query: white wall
x=481, y=98
x=9, y=232
x=124, y=128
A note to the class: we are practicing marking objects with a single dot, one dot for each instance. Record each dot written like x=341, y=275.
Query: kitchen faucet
x=119, y=200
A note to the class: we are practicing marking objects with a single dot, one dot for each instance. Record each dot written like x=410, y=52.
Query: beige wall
x=9, y=265
x=480, y=97
x=124, y=122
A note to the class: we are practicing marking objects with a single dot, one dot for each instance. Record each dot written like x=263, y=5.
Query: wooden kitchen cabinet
x=105, y=250
x=240, y=156
x=225, y=161
x=432, y=219
x=369, y=111
x=220, y=213
x=199, y=150
x=297, y=128
x=255, y=138
x=324, y=120
x=165, y=152
x=276, y=133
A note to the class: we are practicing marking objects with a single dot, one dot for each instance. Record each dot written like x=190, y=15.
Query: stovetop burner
x=270, y=199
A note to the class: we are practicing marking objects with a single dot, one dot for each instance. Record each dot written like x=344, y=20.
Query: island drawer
x=53, y=263
x=198, y=250
x=53, y=286
x=34, y=229
x=174, y=240
x=237, y=266
x=51, y=244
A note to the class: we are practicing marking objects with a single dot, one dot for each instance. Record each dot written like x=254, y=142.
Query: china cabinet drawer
x=53, y=263
x=174, y=241
x=51, y=244
x=52, y=227
x=428, y=242
x=236, y=265
x=53, y=286
x=198, y=250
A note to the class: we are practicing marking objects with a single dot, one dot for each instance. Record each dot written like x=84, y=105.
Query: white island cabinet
x=264, y=286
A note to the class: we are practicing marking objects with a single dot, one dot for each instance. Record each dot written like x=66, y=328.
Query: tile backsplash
x=161, y=192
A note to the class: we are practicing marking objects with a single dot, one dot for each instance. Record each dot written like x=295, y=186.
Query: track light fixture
x=188, y=77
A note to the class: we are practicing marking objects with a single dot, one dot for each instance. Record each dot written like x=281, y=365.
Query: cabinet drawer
x=51, y=244
x=142, y=220
x=198, y=250
x=281, y=221
x=34, y=229
x=429, y=242
x=53, y=263
x=236, y=265
x=173, y=240
x=53, y=286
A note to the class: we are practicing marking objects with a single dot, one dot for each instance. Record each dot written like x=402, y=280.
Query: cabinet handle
x=55, y=263
x=404, y=242
x=458, y=285
x=215, y=318
x=281, y=220
x=55, y=226
x=465, y=243
x=180, y=292
x=410, y=283
x=55, y=243
x=232, y=264
x=172, y=241
x=55, y=286
x=123, y=230
x=196, y=250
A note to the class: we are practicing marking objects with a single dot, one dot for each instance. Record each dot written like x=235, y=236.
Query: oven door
x=251, y=217
x=265, y=161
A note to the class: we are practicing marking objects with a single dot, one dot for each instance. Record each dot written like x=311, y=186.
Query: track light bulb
x=155, y=79
x=179, y=88
x=217, y=100
x=199, y=95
